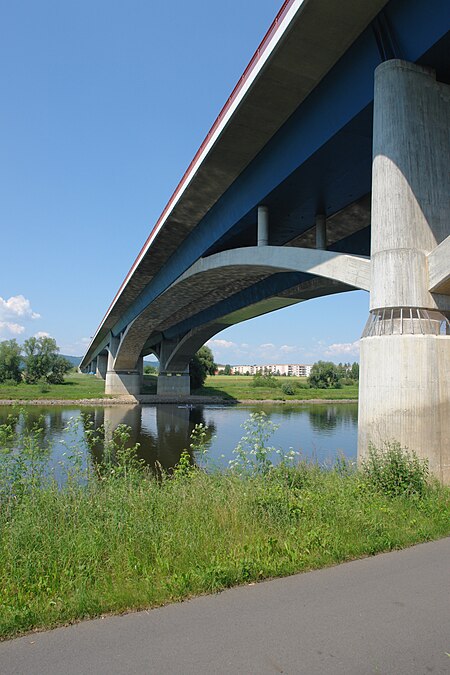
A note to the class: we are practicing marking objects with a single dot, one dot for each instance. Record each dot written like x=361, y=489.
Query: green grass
x=239, y=388
x=129, y=541
x=232, y=388
x=76, y=386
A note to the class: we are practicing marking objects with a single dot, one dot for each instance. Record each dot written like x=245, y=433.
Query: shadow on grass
x=212, y=391
x=150, y=387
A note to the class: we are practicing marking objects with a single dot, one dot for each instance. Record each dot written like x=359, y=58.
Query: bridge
x=327, y=170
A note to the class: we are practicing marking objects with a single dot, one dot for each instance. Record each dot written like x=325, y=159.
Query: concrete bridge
x=327, y=170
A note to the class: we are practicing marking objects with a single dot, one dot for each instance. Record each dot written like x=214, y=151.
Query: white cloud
x=267, y=345
x=9, y=327
x=343, y=348
x=41, y=333
x=17, y=305
x=221, y=344
x=289, y=349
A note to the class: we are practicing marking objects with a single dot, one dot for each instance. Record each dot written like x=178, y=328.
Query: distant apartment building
x=295, y=369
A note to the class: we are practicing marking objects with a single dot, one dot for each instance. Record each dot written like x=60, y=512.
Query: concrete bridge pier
x=102, y=366
x=263, y=226
x=405, y=348
x=122, y=382
x=173, y=379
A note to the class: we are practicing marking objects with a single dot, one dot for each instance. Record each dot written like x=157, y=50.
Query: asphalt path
x=388, y=614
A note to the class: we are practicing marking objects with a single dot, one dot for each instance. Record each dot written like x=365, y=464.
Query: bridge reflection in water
x=320, y=432
x=163, y=432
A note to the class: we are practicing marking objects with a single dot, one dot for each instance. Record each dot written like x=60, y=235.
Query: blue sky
x=104, y=104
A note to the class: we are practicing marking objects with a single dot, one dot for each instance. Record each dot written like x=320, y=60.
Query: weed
x=395, y=471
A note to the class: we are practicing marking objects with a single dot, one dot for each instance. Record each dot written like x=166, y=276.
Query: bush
x=264, y=380
x=303, y=385
x=10, y=383
x=288, y=388
x=395, y=471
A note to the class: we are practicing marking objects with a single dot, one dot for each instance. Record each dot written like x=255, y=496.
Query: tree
x=150, y=370
x=324, y=375
x=227, y=369
x=10, y=357
x=201, y=365
x=43, y=361
x=355, y=371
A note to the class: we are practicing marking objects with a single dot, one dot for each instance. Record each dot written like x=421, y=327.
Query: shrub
x=10, y=383
x=264, y=380
x=395, y=471
x=288, y=388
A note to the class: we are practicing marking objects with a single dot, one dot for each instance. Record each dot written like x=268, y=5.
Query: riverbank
x=89, y=547
x=153, y=399
x=86, y=390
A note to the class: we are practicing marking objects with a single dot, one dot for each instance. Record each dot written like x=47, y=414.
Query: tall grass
x=113, y=536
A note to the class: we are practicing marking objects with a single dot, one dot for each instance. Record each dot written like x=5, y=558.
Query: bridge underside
x=350, y=189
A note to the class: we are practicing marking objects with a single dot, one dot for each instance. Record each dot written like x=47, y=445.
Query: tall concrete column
x=122, y=382
x=171, y=382
x=405, y=348
x=321, y=231
x=263, y=226
x=102, y=366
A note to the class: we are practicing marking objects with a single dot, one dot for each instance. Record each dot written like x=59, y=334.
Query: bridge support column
x=321, y=231
x=263, y=226
x=102, y=366
x=405, y=348
x=122, y=382
x=171, y=382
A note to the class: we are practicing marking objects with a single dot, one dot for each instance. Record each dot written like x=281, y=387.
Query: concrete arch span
x=222, y=275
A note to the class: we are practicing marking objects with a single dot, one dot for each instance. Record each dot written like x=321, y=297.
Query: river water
x=318, y=431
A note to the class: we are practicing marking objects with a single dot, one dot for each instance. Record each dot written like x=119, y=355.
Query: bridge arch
x=219, y=276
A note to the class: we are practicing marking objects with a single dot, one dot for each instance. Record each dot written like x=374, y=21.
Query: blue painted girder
x=319, y=160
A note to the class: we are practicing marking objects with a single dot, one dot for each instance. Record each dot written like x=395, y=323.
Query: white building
x=295, y=369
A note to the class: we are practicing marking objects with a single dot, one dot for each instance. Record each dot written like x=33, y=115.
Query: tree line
x=37, y=360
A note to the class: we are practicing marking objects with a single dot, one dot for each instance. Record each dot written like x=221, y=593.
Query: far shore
x=152, y=399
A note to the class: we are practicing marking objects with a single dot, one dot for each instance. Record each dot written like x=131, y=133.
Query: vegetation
x=324, y=375
x=10, y=358
x=42, y=361
x=40, y=356
x=112, y=536
x=266, y=380
x=241, y=388
x=76, y=386
x=150, y=370
x=200, y=366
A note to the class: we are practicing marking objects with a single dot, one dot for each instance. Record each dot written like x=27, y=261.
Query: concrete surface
x=387, y=615
x=306, y=44
x=404, y=387
x=222, y=275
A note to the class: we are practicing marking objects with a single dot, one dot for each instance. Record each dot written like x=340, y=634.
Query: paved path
x=389, y=614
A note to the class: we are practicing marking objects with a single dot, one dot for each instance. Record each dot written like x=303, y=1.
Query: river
x=318, y=431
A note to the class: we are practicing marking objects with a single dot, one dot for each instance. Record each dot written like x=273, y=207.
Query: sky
x=104, y=104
